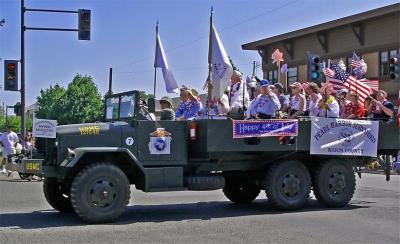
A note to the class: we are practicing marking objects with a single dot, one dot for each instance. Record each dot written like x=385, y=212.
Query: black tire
x=100, y=193
x=334, y=184
x=56, y=195
x=241, y=193
x=288, y=185
x=24, y=176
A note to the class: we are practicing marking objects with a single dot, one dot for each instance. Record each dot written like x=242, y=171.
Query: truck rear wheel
x=334, y=184
x=241, y=193
x=288, y=185
x=100, y=193
x=56, y=195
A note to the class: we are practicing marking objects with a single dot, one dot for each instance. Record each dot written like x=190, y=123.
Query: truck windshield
x=127, y=108
x=112, y=108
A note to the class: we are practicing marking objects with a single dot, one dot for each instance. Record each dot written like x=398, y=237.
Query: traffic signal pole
x=23, y=119
x=83, y=34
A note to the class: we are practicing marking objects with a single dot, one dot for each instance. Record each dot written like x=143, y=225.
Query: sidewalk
x=13, y=176
x=379, y=172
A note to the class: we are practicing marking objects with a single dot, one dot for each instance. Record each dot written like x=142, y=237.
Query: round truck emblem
x=160, y=144
x=129, y=141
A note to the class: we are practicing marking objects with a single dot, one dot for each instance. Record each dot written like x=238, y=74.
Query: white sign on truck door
x=44, y=128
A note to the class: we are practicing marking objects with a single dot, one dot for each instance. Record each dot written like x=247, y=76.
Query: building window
x=273, y=76
x=348, y=64
x=384, y=61
x=292, y=75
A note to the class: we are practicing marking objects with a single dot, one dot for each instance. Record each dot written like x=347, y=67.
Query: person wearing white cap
x=236, y=95
x=297, y=101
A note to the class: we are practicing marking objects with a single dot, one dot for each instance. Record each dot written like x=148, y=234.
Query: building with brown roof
x=374, y=35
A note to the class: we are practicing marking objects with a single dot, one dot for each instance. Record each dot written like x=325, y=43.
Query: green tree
x=51, y=103
x=81, y=102
x=15, y=122
x=144, y=96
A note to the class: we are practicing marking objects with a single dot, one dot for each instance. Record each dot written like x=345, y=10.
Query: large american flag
x=342, y=79
x=374, y=84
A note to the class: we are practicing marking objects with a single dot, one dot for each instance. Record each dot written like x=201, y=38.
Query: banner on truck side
x=264, y=128
x=44, y=128
x=344, y=137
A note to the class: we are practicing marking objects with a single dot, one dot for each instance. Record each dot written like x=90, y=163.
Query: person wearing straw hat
x=189, y=106
x=167, y=109
x=267, y=103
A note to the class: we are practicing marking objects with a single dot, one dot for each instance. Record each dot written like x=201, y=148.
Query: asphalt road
x=206, y=217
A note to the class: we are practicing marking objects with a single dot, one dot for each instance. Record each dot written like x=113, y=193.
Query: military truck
x=88, y=168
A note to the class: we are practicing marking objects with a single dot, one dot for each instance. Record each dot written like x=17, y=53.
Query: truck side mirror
x=151, y=105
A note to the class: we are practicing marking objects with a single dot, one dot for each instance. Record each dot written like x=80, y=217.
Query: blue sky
x=123, y=37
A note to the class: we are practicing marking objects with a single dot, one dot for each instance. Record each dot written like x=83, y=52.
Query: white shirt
x=333, y=111
x=8, y=139
x=236, y=96
x=224, y=108
x=314, y=108
x=295, y=102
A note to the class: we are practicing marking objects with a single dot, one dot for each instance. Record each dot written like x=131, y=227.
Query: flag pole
x=209, y=91
x=286, y=80
x=279, y=70
x=155, y=68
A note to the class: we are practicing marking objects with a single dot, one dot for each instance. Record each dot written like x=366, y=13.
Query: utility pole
x=23, y=120
x=110, y=82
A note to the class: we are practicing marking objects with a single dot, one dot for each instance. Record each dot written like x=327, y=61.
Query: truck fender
x=75, y=155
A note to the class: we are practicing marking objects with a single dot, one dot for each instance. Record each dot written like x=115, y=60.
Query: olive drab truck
x=88, y=168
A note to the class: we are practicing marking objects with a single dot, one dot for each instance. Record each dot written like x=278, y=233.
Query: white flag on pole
x=160, y=61
x=221, y=67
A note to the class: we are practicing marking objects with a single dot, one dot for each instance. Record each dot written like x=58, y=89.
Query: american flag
x=328, y=72
x=374, y=84
x=342, y=79
x=356, y=66
x=355, y=61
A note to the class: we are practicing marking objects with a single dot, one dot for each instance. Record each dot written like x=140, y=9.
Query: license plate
x=32, y=166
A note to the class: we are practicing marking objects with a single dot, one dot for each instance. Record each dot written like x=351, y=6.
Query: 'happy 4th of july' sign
x=265, y=128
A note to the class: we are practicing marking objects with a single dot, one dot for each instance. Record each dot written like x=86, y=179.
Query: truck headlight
x=71, y=153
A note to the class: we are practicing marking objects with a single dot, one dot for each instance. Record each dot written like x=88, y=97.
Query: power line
x=222, y=30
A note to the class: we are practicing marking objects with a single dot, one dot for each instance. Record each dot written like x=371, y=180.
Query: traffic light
x=314, y=70
x=84, y=24
x=10, y=75
x=394, y=68
x=18, y=109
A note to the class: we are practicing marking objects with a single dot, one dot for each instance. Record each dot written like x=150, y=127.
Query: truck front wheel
x=56, y=195
x=288, y=185
x=100, y=193
x=334, y=184
x=241, y=193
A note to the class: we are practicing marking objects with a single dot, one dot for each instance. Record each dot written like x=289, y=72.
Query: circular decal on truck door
x=129, y=141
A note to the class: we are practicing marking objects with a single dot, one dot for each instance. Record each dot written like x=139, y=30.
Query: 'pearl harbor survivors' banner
x=344, y=137
x=264, y=128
